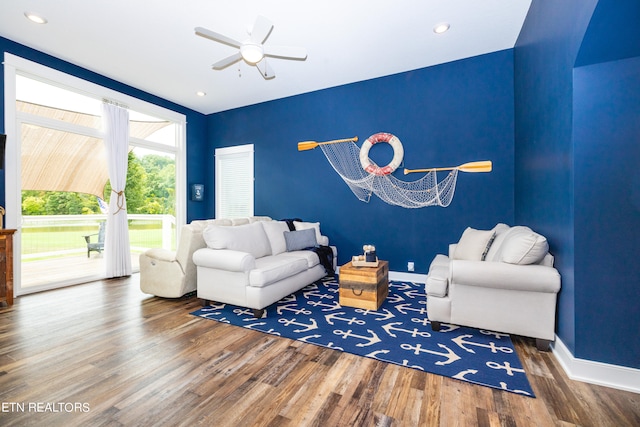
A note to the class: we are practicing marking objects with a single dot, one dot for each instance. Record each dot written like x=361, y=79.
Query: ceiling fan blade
x=265, y=69
x=224, y=63
x=212, y=35
x=286, y=52
x=261, y=30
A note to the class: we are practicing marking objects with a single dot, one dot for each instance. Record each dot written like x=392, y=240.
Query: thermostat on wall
x=197, y=192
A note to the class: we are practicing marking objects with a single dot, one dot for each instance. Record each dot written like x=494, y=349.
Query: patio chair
x=99, y=245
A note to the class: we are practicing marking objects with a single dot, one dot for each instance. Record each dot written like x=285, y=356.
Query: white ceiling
x=151, y=44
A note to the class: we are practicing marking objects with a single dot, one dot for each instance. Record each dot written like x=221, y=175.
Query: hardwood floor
x=103, y=353
x=36, y=273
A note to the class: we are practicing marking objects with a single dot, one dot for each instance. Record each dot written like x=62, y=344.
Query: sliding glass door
x=62, y=183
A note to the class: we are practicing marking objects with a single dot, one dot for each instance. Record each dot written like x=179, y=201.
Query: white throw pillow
x=306, y=225
x=523, y=246
x=249, y=238
x=473, y=244
x=275, y=233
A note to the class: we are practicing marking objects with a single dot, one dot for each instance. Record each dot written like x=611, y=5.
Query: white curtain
x=116, y=242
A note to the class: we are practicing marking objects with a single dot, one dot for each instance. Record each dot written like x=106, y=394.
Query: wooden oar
x=310, y=145
x=480, y=166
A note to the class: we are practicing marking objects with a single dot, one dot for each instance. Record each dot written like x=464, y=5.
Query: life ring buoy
x=398, y=154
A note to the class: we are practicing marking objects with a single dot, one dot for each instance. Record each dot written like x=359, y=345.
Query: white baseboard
x=407, y=277
x=402, y=276
x=614, y=376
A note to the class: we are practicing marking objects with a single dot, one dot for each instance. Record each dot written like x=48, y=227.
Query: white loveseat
x=257, y=264
x=172, y=274
x=502, y=280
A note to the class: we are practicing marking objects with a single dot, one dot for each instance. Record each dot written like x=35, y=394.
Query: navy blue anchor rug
x=398, y=332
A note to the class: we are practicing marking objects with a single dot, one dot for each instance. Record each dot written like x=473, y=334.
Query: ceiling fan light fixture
x=441, y=28
x=252, y=53
x=33, y=17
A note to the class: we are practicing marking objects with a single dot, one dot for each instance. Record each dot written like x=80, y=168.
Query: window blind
x=234, y=181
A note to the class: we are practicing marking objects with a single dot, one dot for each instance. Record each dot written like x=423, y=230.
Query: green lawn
x=53, y=239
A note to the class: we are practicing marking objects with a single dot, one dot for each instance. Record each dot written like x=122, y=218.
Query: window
x=54, y=124
x=234, y=181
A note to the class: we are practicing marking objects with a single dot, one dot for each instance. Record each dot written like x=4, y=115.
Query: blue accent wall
x=576, y=162
x=544, y=56
x=607, y=210
x=196, y=122
x=612, y=34
x=444, y=116
x=557, y=115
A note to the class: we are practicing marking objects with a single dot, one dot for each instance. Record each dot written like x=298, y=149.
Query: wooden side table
x=6, y=266
x=364, y=287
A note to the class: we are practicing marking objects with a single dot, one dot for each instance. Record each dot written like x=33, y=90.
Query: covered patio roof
x=54, y=160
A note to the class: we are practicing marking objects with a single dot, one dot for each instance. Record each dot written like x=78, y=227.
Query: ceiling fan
x=253, y=51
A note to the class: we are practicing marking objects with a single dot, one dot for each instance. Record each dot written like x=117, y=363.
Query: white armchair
x=172, y=274
x=502, y=280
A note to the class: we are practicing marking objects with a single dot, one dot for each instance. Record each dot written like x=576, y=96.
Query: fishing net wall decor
x=365, y=178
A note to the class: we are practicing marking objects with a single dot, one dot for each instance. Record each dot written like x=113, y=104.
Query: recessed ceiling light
x=201, y=93
x=441, y=28
x=35, y=18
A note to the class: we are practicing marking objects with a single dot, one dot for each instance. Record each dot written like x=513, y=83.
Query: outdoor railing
x=45, y=236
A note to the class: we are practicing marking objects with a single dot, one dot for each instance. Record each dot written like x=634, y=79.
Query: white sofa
x=172, y=274
x=501, y=280
x=257, y=264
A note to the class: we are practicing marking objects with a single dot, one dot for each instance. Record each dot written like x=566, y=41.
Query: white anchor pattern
x=398, y=332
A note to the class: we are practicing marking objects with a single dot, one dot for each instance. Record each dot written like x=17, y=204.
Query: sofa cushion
x=260, y=218
x=473, y=244
x=523, y=246
x=271, y=269
x=224, y=259
x=239, y=221
x=298, y=240
x=203, y=223
x=306, y=225
x=249, y=238
x=275, y=233
x=310, y=257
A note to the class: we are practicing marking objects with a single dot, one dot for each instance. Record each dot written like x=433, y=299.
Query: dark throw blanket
x=325, y=254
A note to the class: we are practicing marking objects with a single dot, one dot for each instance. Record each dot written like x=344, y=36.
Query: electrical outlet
x=410, y=266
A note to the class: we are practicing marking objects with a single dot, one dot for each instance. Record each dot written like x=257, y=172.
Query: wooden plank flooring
x=104, y=354
x=69, y=268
